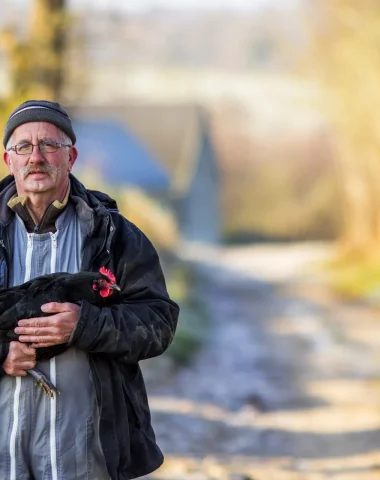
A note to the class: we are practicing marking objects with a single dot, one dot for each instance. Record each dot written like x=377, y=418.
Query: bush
x=193, y=326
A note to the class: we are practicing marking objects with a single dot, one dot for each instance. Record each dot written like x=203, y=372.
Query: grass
x=193, y=325
x=355, y=278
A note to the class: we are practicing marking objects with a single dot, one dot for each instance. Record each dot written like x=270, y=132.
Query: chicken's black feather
x=25, y=301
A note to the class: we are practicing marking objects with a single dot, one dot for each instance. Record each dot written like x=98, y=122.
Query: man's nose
x=36, y=154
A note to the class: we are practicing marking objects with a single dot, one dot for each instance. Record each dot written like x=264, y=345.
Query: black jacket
x=115, y=337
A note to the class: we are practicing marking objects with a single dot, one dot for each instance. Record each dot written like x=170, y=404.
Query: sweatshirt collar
x=47, y=223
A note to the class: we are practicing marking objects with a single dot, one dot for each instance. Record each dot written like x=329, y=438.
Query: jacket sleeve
x=4, y=349
x=144, y=323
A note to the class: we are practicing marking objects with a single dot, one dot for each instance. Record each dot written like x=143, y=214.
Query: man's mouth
x=37, y=172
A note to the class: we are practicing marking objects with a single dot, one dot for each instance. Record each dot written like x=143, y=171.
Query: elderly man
x=99, y=426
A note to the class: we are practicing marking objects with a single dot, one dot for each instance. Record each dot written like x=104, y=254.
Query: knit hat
x=39, y=111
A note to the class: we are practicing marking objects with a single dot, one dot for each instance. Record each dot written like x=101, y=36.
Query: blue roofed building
x=118, y=156
x=167, y=147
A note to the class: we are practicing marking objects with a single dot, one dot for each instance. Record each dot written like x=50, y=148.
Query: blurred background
x=242, y=137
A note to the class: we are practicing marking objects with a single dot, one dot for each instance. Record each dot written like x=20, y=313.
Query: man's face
x=40, y=172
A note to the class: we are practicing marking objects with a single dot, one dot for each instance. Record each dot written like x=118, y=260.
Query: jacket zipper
x=53, y=378
x=16, y=397
x=4, y=260
x=53, y=252
x=28, y=258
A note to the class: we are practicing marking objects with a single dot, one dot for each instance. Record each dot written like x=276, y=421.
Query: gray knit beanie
x=39, y=111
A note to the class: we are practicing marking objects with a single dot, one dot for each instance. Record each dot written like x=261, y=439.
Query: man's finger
x=27, y=365
x=35, y=322
x=41, y=341
x=43, y=345
x=55, y=307
x=37, y=332
x=28, y=350
x=18, y=348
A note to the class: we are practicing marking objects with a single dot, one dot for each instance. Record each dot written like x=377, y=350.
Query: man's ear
x=8, y=162
x=72, y=157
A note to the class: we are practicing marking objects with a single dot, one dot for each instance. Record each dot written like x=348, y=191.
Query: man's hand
x=20, y=358
x=48, y=331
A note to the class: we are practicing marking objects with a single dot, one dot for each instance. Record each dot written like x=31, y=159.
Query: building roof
x=120, y=157
x=172, y=133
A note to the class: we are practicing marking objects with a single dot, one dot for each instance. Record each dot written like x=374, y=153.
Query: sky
x=144, y=5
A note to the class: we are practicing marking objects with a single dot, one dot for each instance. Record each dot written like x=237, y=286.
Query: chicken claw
x=44, y=382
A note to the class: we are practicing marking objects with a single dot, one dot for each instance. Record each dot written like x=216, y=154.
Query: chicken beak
x=115, y=286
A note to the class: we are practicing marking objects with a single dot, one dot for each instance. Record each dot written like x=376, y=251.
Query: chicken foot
x=44, y=382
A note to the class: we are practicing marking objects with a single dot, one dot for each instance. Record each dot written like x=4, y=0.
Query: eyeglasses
x=44, y=147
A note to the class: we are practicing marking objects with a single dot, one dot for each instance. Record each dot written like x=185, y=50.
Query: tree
x=37, y=63
x=345, y=51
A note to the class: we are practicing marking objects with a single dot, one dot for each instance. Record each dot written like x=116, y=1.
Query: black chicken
x=25, y=301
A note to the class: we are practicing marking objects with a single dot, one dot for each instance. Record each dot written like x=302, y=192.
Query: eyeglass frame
x=58, y=145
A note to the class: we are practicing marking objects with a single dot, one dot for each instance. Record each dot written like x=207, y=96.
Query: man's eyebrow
x=47, y=139
x=43, y=139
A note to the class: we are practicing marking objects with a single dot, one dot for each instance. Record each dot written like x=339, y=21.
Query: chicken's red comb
x=108, y=273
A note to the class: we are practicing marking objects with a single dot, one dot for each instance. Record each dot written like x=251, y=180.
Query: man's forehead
x=41, y=129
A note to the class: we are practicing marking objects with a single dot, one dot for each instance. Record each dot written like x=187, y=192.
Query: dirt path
x=287, y=386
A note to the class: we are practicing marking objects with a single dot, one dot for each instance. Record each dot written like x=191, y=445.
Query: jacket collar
x=47, y=224
x=7, y=191
x=96, y=201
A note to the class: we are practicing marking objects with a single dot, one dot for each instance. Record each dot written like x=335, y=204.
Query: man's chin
x=37, y=184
